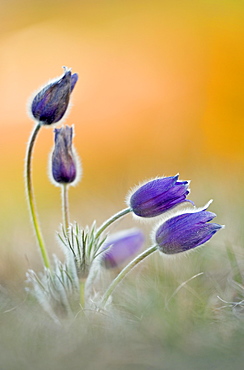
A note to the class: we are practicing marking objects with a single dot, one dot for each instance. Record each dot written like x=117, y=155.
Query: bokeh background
x=160, y=92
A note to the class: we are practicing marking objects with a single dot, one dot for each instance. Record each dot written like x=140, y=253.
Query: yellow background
x=160, y=91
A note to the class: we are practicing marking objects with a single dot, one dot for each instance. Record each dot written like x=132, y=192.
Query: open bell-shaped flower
x=63, y=161
x=186, y=231
x=158, y=196
x=50, y=103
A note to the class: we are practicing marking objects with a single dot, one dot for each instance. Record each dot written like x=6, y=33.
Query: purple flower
x=121, y=246
x=63, y=159
x=51, y=103
x=158, y=196
x=186, y=231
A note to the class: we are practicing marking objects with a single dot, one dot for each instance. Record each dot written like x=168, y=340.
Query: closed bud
x=51, y=103
x=63, y=161
x=158, y=196
x=186, y=231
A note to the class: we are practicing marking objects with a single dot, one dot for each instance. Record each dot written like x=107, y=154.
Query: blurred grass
x=154, y=324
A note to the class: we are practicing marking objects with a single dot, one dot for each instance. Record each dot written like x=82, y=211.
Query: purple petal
x=74, y=79
x=51, y=103
x=63, y=159
x=186, y=231
x=121, y=246
x=157, y=196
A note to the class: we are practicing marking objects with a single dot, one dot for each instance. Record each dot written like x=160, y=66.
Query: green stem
x=82, y=292
x=124, y=272
x=65, y=206
x=112, y=219
x=30, y=195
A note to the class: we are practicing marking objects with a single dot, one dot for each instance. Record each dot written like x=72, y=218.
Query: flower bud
x=64, y=164
x=158, y=196
x=120, y=247
x=186, y=231
x=51, y=103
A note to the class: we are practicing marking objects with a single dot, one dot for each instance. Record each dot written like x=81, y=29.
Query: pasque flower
x=64, y=164
x=186, y=231
x=51, y=103
x=121, y=246
x=158, y=195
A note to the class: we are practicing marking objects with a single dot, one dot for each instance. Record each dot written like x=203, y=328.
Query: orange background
x=160, y=91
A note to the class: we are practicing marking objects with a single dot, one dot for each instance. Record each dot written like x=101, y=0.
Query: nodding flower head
x=158, y=196
x=120, y=247
x=51, y=102
x=186, y=231
x=63, y=161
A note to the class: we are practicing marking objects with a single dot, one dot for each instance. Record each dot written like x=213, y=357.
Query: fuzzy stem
x=124, y=272
x=112, y=219
x=82, y=292
x=30, y=195
x=65, y=206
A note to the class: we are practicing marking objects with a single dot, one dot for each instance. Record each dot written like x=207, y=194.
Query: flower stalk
x=65, y=206
x=111, y=220
x=124, y=272
x=30, y=195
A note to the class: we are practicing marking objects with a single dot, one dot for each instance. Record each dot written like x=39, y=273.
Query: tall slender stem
x=124, y=272
x=65, y=206
x=82, y=292
x=30, y=195
x=112, y=219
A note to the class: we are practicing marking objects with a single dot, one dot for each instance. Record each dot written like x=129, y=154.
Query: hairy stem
x=112, y=219
x=65, y=206
x=30, y=195
x=82, y=292
x=124, y=272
